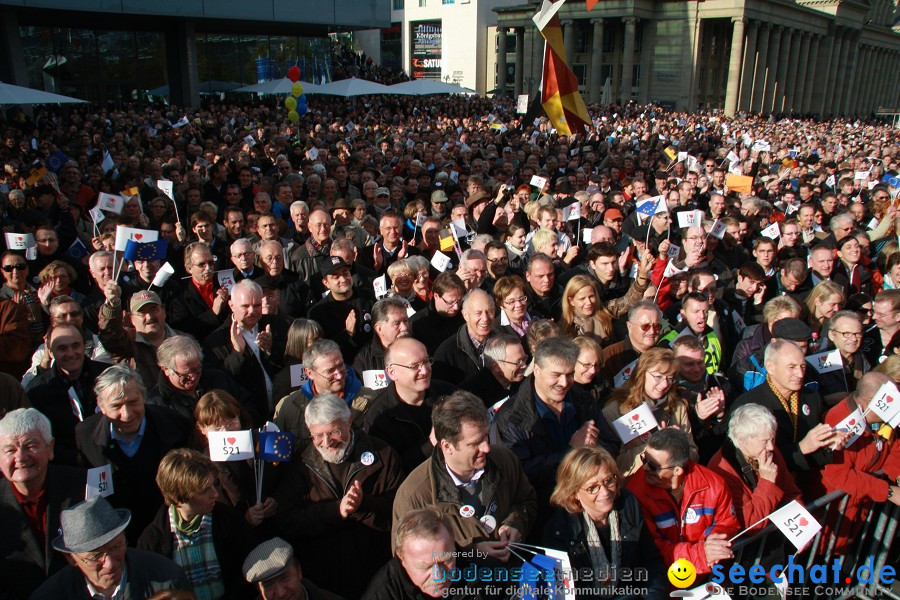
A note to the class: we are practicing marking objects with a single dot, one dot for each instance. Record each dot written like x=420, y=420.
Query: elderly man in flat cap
x=271, y=566
x=101, y=564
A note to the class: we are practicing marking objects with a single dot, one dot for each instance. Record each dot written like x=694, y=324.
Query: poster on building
x=426, y=50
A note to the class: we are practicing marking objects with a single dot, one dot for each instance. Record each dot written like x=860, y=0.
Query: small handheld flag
x=276, y=446
x=149, y=251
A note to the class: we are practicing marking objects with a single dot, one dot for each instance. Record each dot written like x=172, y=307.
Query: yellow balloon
x=297, y=90
x=291, y=103
x=293, y=116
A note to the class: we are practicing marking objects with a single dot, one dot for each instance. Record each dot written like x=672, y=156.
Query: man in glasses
x=401, y=412
x=505, y=362
x=545, y=419
x=846, y=334
x=202, y=305
x=886, y=315
x=327, y=373
x=442, y=318
x=686, y=507
x=334, y=502
x=644, y=325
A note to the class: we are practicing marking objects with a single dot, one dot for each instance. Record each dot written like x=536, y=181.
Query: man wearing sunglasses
x=644, y=326
x=686, y=507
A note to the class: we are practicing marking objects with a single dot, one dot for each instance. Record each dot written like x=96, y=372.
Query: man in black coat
x=390, y=321
x=505, y=362
x=802, y=437
x=546, y=419
x=443, y=316
x=462, y=355
x=250, y=347
x=344, y=313
x=202, y=305
x=30, y=482
x=132, y=438
x=401, y=413
x=64, y=392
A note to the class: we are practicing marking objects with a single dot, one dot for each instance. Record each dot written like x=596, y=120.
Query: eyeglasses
x=519, y=363
x=652, y=466
x=416, y=366
x=334, y=434
x=16, y=267
x=694, y=238
x=243, y=254
x=849, y=335
x=514, y=301
x=645, y=327
x=588, y=365
x=98, y=558
x=658, y=377
x=609, y=483
x=339, y=370
x=205, y=263
x=232, y=425
x=501, y=259
x=188, y=374
x=449, y=303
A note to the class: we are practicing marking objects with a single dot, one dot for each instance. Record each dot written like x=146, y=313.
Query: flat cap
x=268, y=560
x=791, y=329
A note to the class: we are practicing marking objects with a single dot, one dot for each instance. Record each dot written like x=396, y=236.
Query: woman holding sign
x=653, y=385
x=601, y=526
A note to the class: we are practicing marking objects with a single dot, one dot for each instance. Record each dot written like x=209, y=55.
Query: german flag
x=559, y=87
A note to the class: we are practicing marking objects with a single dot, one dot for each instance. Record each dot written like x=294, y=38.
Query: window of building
x=397, y=4
x=580, y=74
x=421, y=3
x=581, y=40
x=609, y=36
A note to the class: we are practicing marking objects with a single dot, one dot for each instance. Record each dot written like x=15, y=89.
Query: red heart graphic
x=138, y=236
x=803, y=522
x=102, y=474
x=889, y=399
x=628, y=370
x=380, y=376
x=20, y=238
x=635, y=417
x=231, y=440
x=852, y=422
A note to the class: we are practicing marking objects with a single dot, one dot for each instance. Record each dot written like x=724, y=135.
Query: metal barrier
x=875, y=538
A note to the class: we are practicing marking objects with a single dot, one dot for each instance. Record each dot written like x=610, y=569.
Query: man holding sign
x=868, y=467
x=32, y=493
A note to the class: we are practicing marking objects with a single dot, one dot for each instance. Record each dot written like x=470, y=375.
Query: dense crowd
x=629, y=344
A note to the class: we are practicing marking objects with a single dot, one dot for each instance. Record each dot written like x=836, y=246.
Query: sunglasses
x=11, y=268
x=645, y=327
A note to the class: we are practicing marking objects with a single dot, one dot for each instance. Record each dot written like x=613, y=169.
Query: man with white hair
x=250, y=346
x=32, y=493
x=335, y=501
x=243, y=259
x=131, y=437
x=461, y=356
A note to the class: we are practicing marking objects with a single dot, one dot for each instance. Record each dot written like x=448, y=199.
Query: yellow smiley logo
x=682, y=573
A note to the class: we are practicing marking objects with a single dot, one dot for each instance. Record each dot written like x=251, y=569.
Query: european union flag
x=150, y=251
x=77, y=250
x=56, y=161
x=892, y=180
x=275, y=446
x=647, y=208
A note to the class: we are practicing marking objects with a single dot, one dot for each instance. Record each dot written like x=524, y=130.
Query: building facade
x=822, y=57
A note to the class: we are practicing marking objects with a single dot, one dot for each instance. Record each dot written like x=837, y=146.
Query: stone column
x=830, y=74
x=795, y=95
x=501, y=61
x=772, y=67
x=520, y=60
x=891, y=100
x=846, y=79
x=787, y=78
x=648, y=35
x=569, y=39
x=749, y=67
x=855, y=98
x=537, y=60
x=182, y=62
x=732, y=87
x=628, y=58
x=759, y=80
x=596, y=61
x=872, y=62
x=806, y=105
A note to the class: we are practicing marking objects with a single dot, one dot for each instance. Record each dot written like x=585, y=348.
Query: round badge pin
x=806, y=410
x=489, y=522
x=467, y=510
x=367, y=458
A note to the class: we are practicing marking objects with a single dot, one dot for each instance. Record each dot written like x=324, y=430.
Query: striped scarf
x=195, y=552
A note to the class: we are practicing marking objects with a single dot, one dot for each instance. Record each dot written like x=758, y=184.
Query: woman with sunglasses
x=601, y=526
x=16, y=288
x=653, y=383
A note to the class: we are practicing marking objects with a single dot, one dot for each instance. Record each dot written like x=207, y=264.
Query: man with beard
x=335, y=502
x=401, y=412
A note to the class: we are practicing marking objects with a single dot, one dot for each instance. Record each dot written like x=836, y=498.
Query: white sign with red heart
x=855, y=424
x=99, y=482
x=141, y=236
x=375, y=379
x=635, y=423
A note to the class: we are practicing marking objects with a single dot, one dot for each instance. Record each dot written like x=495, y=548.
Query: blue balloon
x=301, y=109
x=301, y=99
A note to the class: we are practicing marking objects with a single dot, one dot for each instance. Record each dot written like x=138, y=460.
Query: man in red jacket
x=853, y=469
x=687, y=507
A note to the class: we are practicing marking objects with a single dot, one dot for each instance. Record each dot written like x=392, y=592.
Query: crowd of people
x=629, y=344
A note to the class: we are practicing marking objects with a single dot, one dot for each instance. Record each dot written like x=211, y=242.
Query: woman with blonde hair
x=601, y=526
x=583, y=312
x=587, y=369
x=653, y=383
x=822, y=303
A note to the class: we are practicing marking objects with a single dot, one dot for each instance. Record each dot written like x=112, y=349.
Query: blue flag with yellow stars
x=149, y=251
x=275, y=446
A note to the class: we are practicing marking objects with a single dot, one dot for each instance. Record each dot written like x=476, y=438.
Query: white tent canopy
x=357, y=87
x=425, y=87
x=279, y=86
x=14, y=94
